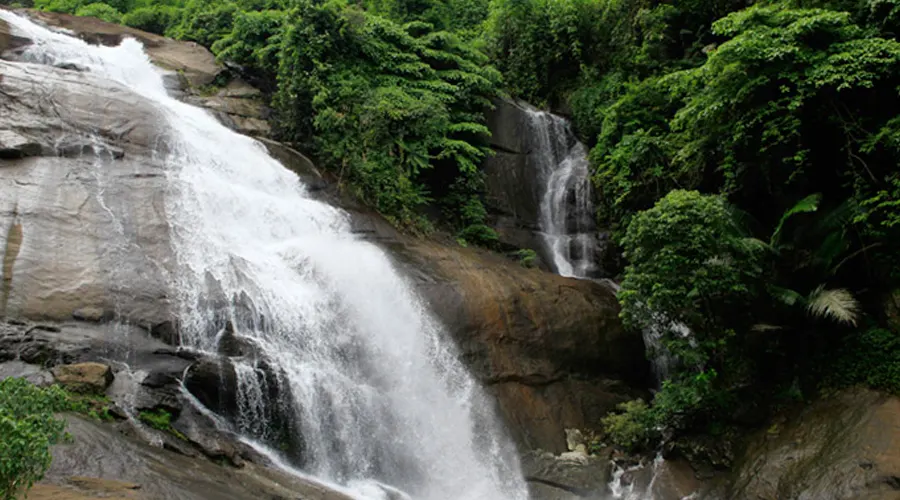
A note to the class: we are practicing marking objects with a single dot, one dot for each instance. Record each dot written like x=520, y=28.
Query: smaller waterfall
x=567, y=206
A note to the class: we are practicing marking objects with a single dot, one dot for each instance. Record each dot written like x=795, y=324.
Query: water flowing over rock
x=539, y=185
x=374, y=382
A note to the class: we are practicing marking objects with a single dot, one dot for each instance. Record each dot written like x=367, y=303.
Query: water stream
x=365, y=372
x=567, y=206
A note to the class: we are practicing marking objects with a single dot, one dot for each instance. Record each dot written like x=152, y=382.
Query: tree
x=689, y=268
x=27, y=430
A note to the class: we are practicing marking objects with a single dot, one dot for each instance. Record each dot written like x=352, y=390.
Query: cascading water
x=567, y=208
x=363, y=370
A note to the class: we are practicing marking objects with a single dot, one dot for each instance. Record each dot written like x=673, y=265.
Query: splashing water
x=372, y=384
x=567, y=207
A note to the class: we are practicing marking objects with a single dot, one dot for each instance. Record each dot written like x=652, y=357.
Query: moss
x=160, y=420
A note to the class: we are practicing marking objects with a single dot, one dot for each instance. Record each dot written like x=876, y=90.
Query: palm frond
x=836, y=303
x=808, y=204
x=786, y=296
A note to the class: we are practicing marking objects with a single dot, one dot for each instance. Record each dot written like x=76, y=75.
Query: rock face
x=568, y=477
x=513, y=189
x=845, y=446
x=75, y=151
x=100, y=463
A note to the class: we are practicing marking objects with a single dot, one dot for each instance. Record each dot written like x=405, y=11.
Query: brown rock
x=846, y=446
x=84, y=377
x=550, y=348
x=9, y=41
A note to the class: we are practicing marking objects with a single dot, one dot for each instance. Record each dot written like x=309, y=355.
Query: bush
x=634, y=429
x=156, y=19
x=27, y=430
x=65, y=6
x=871, y=357
x=101, y=11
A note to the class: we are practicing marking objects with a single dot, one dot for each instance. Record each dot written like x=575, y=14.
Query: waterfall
x=566, y=207
x=364, y=372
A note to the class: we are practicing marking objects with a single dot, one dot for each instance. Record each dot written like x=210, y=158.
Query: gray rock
x=32, y=373
x=569, y=476
x=98, y=451
x=65, y=251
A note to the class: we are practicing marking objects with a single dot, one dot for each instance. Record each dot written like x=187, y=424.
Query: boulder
x=569, y=476
x=238, y=106
x=214, y=383
x=843, y=446
x=84, y=377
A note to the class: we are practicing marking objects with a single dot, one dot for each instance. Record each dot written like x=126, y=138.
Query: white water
x=374, y=387
x=567, y=210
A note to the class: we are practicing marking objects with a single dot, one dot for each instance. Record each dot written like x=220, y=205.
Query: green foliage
x=156, y=19
x=28, y=429
x=94, y=406
x=690, y=268
x=384, y=104
x=161, y=420
x=634, y=429
x=101, y=11
x=66, y=6
x=527, y=257
x=870, y=357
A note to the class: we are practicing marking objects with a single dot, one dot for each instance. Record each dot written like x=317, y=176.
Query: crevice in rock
x=553, y=484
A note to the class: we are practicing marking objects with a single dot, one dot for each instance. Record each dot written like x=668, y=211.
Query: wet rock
x=576, y=474
x=236, y=345
x=32, y=373
x=98, y=451
x=214, y=383
x=84, y=377
x=844, y=446
x=94, y=314
x=8, y=41
x=51, y=199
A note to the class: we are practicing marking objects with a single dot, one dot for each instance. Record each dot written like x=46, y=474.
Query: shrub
x=156, y=19
x=27, y=430
x=65, y=6
x=101, y=11
x=633, y=429
x=527, y=257
x=870, y=357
